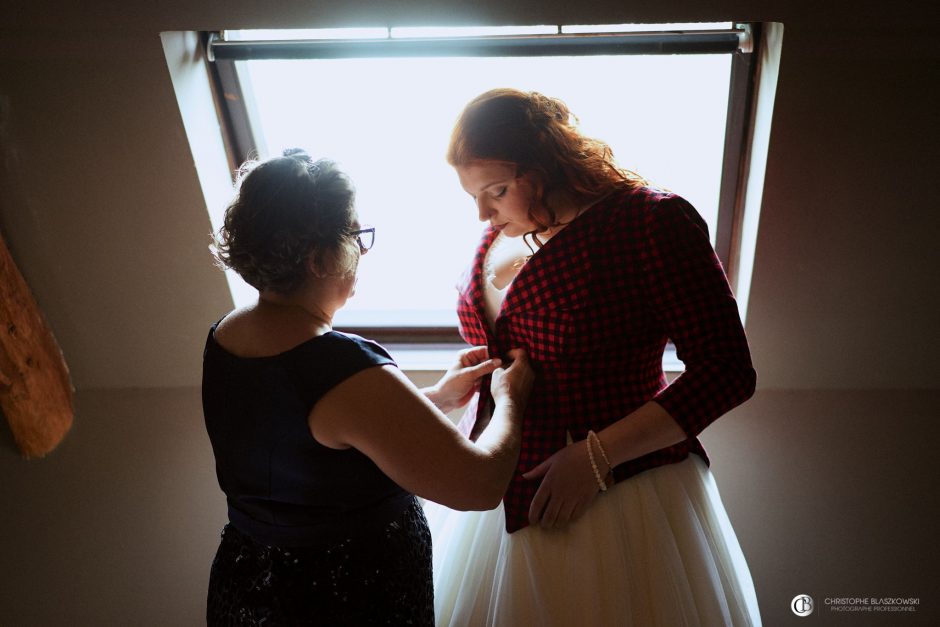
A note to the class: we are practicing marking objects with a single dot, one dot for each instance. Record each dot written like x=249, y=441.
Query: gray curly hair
x=285, y=209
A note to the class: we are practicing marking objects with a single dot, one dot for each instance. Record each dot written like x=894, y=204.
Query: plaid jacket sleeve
x=688, y=289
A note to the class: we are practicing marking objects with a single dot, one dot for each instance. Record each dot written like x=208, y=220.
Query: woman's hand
x=568, y=488
x=513, y=384
x=462, y=380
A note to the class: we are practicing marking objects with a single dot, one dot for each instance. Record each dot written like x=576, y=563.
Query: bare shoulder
x=234, y=330
x=250, y=332
x=231, y=322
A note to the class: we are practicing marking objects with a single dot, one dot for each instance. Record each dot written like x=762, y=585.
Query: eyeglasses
x=365, y=237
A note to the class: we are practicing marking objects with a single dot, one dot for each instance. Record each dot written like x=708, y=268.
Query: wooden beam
x=35, y=390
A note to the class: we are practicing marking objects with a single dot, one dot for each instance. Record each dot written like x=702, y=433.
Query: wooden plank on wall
x=35, y=390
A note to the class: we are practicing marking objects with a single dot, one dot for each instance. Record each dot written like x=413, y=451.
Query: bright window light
x=470, y=31
x=387, y=121
x=638, y=28
x=285, y=34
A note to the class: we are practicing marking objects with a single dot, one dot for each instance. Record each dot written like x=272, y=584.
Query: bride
x=612, y=516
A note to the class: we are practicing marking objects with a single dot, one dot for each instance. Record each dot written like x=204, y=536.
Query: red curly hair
x=539, y=135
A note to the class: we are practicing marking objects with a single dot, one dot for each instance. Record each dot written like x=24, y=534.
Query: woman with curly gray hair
x=320, y=442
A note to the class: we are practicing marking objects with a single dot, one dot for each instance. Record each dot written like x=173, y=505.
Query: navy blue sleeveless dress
x=316, y=536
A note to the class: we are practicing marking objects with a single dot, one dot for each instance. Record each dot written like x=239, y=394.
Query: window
x=382, y=102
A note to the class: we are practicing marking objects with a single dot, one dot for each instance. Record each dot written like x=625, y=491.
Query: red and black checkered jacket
x=594, y=309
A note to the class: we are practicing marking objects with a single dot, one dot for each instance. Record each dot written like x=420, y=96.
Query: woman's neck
x=303, y=310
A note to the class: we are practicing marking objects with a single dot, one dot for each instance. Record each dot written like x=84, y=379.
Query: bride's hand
x=568, y=487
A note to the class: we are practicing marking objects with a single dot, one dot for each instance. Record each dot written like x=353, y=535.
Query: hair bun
x=297, y=153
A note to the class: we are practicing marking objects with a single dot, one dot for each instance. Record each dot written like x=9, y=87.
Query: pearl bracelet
x=597, y=474
x=597, y=440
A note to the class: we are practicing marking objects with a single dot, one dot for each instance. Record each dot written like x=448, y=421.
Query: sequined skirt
x=383, y=578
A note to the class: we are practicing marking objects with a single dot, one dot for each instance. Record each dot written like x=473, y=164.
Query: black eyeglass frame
x=358, y=235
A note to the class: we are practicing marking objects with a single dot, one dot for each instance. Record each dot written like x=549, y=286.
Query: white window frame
x=223, y=50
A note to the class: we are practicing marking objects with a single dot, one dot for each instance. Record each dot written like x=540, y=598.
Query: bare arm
x=382, y=414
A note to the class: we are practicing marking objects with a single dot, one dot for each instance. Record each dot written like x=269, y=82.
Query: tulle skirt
x=655, y=550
